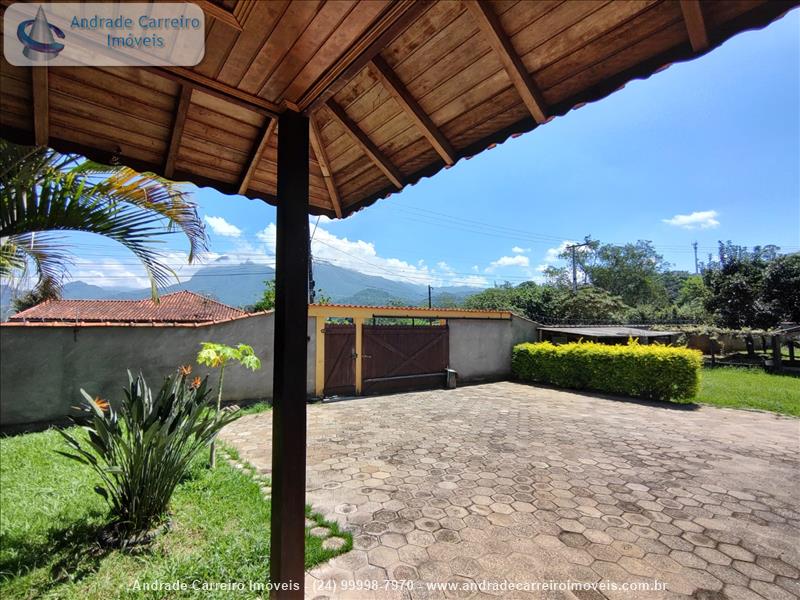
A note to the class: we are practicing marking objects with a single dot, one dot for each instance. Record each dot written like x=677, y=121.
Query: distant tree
x=322, y=298
x=781, y=288
x=632, y=271
x=496, y=298
x=267, y=301
x=445, y=300
x=673, y=283
x=44, y=291
x=690, y=303
x=591, y=304
x=736, y=284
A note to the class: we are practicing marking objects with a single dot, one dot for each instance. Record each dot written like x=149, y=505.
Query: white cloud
x=704, y=219
x=519, y=250
x=363, y=257
x=553, y=255
x=127, y=272
x=518, y=260
x=221, y=227
x=315, y=221
x=109, y=272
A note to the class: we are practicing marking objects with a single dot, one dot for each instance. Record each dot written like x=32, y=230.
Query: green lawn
x=50, y=515
x=750, y=388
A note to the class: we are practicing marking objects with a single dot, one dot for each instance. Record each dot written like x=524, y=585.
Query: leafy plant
x=143, y=451
x=44, y=192
x=267, y=300
x=218, y=355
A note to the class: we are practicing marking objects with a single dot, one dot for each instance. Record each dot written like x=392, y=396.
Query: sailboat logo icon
x=37, y=37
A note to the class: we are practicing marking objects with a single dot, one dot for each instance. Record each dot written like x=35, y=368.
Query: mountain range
x=242, y=285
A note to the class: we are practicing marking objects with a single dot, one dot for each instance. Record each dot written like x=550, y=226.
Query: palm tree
x=44, y=192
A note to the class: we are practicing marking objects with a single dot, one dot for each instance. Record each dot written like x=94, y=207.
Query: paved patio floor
x=504, y=483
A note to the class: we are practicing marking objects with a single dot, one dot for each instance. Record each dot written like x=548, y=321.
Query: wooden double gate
x=395, y=358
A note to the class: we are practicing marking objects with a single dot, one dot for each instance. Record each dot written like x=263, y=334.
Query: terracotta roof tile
x=178, y=307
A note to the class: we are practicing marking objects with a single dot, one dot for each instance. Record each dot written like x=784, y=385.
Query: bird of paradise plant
x=142, y=451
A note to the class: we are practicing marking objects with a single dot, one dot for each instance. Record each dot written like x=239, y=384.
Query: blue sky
x=703, y=151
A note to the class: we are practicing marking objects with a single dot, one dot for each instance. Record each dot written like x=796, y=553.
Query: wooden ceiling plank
x=490, y=26
x=220, y=14
x=369, y=148
x=695, y=24
x=414, y=111
x=256, y=157
x=322, y=159
x=177, y=130
x=41, y=105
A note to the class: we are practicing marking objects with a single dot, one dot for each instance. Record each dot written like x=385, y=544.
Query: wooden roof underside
x=395, y=90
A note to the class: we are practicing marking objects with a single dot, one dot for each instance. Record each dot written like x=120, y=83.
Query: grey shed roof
x=610, y=331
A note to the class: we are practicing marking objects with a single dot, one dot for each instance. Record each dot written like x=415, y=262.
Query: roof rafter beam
x=177, y=130
x=386, y=28
x=411, y=107
x=492, y=30
x=252, y=165
x=324, y=165
x=41, y=106
x=220, y=14
x=695, y=24
x=366, y=144
x=218, y=89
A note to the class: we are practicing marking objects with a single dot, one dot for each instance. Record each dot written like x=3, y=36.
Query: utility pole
x=312, y=293
x=694, y=245
x=430, y=304
x=572, y=248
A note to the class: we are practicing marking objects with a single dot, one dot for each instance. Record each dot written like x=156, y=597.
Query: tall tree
x=44, y=192
x=735, y=283
x=632, y=272
x=781, y=288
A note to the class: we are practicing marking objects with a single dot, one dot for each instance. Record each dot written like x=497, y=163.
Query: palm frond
x=47, y=254
x=43, y=190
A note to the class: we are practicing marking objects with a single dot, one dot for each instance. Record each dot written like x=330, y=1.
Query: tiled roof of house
x=178, y=307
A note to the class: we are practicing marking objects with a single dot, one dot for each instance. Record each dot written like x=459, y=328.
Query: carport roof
x=610, y=331
x=395, y=90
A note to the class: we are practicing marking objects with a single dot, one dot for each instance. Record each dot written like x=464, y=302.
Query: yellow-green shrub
x=654, y=372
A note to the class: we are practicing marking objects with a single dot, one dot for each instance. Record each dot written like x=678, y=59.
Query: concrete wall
x=481, y=349
x=42, y=369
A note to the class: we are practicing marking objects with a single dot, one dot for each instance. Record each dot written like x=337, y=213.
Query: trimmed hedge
x=653, y=372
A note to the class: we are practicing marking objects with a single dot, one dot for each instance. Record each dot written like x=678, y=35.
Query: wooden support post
x=359, y=323
x=319, y=373
x=41, y=106
x=287, y=545
x=777, y=342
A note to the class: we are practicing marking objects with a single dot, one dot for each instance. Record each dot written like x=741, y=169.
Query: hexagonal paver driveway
x=490, y=485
